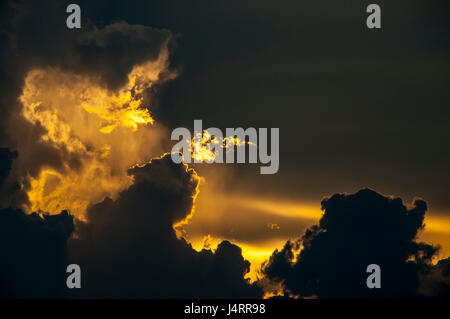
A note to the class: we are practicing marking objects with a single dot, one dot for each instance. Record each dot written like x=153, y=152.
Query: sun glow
x=203, y=146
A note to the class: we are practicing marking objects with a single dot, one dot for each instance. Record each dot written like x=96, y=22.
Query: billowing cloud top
x=355, y=231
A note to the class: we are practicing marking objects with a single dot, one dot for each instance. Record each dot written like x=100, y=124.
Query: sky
x=363, y=119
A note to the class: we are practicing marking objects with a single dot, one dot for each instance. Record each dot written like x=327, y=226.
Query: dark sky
x=356, y=108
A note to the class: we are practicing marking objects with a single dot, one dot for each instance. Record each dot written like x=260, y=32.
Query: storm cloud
x=356, y=230
x=129, y=248
x=33, y=250
x=308, y=68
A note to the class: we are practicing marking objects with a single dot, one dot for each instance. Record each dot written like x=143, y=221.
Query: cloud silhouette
x=7, y=187
x=435, y=280
x=33, y=254
x=355, y=231
x=128, y=248
x=33, y=250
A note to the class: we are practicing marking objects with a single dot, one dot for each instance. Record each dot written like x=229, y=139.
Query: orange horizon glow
x=436, y=226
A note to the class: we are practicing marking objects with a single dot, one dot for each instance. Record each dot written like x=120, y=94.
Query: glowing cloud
x=101, y=133
x=203, y=145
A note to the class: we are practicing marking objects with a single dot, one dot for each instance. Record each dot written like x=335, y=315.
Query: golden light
x=203, y=145
x=99, y=133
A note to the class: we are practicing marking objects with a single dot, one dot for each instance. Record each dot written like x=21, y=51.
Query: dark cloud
x=108, y=52
x=128, y=248
x=6, y=188
x=266, y=56
x=33, y=254
x=435, y=280
x=115, y=49
x=355, y=231
x=33, y=250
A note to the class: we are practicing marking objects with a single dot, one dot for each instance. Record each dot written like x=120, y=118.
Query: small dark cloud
x=435, y=280
x=355, y=231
